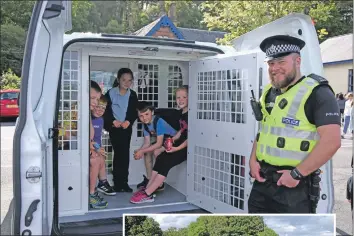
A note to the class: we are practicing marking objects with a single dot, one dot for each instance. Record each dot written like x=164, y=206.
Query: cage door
x=221, y=132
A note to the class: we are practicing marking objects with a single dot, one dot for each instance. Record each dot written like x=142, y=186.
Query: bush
x=9, y=80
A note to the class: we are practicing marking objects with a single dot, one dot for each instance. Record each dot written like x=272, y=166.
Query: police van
x=51, y=173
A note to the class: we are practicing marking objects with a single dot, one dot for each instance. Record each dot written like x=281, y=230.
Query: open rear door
x=222, y=125
x=222, y=129
x=32, y=155
x=300, y=26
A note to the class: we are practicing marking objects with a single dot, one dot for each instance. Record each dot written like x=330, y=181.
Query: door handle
x=31, y=209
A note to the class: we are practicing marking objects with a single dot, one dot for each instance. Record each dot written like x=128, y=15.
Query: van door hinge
x=53, y=132
x=33, y=174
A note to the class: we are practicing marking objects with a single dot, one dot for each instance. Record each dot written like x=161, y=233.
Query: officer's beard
x=280, y=84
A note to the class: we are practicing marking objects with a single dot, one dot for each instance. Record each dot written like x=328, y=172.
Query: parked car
x=8, y=103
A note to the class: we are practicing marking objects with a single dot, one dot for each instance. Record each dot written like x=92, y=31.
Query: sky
x=321, y=225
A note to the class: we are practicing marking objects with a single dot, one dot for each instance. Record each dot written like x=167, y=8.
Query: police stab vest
x=286, y=137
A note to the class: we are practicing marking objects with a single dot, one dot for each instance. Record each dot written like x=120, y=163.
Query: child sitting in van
x=97, y=122
x=156, y=130
x=169, y=158
x=95, y=155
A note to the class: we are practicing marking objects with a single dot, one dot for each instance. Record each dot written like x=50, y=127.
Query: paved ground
x=341, y=163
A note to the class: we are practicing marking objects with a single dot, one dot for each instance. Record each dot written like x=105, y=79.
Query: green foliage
x=203, y=226
x=16, y=12
x=132, y=223
x=176, y=232
x=151, y=227
x=113, y=27
x=13, y=38
x=268, y=232
x=226, y=225
x=141, y=226
x=9, y=80
x=240, y=17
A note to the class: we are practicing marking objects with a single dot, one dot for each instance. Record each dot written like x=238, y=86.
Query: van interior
x=158, y=71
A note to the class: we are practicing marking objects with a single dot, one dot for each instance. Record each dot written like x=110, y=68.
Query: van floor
x=168, y=200
x=122, y=200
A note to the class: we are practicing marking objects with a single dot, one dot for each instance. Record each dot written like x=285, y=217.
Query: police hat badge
x=281, y=45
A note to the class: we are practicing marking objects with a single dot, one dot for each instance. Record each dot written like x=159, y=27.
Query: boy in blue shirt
x=156, y=130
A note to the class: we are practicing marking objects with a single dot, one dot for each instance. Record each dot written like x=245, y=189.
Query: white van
x=51, y=179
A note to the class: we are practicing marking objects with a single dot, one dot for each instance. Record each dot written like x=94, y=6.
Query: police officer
x=299, y=131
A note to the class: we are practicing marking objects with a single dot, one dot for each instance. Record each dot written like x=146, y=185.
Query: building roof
x=201, y=35
x=181, y=33
x=154, y=26
x=337, y=49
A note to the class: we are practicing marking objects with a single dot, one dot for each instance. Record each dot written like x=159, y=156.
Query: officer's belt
x=269, y=172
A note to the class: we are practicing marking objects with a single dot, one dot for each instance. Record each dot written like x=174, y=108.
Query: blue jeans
x=346, y=124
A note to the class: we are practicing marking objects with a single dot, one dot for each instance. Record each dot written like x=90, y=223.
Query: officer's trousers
x=267, y=197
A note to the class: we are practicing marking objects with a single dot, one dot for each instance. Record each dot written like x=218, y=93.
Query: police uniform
x=288, y=133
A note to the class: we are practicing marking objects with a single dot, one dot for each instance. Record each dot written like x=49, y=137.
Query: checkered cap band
x=281, y=48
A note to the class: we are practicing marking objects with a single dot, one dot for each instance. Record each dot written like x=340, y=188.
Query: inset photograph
x=229, y=225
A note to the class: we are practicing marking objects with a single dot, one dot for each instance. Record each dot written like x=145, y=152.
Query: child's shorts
x=153, y=140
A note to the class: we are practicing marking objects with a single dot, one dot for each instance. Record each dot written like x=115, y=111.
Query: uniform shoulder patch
x=318, y=78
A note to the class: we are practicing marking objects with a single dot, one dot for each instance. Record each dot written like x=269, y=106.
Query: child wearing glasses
x=97, y=161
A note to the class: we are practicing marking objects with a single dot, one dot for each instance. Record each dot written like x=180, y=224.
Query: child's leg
x=164, y=163
x=103, y=185
x=94, y=169
x=148, y=159
x=158, y=151
x=102, y=170
x=155, y=184
x=152, y=179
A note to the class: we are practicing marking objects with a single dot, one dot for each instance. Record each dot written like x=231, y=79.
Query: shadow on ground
x=6, y=224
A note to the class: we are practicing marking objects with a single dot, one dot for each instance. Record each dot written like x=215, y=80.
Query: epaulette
x=318, y=78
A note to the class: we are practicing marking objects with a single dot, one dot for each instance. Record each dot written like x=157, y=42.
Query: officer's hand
x=287, y=180
x=255, y=168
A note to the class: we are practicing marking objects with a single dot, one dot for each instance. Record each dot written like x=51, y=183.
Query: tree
x=16, y=13
x=240, y=17
x=151, y=227
x=13, y=39
x=226, y=225
x=142, y=226
x=268, y=232
x=340, y=22
x=9, y=80
x=133, y=223
x=85, y=16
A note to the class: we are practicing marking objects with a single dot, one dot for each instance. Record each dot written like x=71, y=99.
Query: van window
x=69, y=103
x=9, y=95
x=221, y=96
x=175, y=80
x=148, y=88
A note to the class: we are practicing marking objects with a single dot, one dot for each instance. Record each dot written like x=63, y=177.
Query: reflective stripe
x=293, y=133
x=309, y=81
x=262, y=148
x=264, y=128
x=295, y=105
x=286, y=154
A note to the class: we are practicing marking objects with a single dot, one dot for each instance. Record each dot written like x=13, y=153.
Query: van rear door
x=32, y=148
x=222, y=125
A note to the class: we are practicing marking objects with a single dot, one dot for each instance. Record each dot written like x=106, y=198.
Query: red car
x=8, y=103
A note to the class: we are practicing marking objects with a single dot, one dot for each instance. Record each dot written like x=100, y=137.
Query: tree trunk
x=172, y=13
x=162, y=8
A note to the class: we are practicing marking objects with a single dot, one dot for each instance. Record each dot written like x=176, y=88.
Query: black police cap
x=281, y=45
